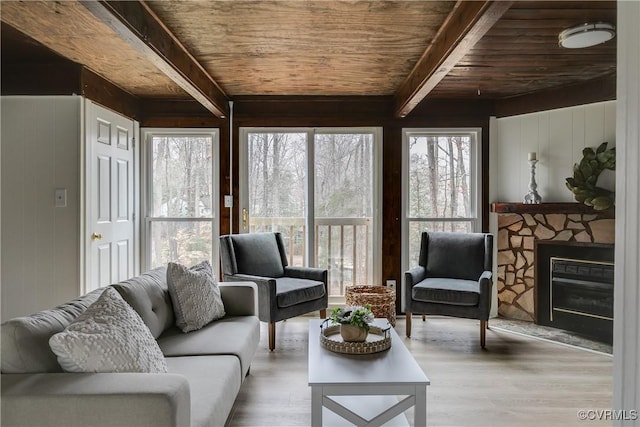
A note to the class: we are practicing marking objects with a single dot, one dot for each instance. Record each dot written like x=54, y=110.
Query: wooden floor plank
x=515, y=381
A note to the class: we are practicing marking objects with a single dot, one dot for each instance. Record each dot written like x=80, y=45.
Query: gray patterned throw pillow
x=108, y=337
x=195, y=295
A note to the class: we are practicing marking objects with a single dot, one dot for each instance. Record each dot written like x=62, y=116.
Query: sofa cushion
x=149, y=296
x=237, y=336
x=108, y=337
x=95, y=400
x=447, y=291
x=290, y=291
x=25, y=340
x=195, y=295
x=257, y=254
x=214, y=382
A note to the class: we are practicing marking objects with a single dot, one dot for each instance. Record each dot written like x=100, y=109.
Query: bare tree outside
x=344, y=190
x=181, y=199
x=343, y=199
x=277, y=175
x=440, y=196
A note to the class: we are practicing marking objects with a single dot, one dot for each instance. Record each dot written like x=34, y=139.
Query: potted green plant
x=354, y=322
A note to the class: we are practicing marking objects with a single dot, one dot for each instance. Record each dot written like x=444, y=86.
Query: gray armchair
x=283, y=291
x=453, y=278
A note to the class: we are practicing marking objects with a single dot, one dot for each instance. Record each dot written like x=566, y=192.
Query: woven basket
x=381, y=299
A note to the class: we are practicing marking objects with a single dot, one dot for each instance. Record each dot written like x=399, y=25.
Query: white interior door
x=109, y=238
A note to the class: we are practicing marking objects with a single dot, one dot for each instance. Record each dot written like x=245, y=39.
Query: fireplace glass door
x=581, y=288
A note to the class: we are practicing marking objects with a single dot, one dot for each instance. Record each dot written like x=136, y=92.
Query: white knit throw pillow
x=108, y=337
x=195, y=295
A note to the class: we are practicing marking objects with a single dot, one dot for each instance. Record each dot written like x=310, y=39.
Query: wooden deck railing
x=342, y=246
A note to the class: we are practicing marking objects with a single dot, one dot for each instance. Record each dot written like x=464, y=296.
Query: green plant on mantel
x=585, y=177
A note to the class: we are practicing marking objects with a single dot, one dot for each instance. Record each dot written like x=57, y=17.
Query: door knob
x=96, y=236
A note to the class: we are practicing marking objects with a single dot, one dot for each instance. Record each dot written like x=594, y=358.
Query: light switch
x=61, y=197
x=228, y=201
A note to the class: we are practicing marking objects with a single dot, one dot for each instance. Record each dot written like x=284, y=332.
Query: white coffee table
x=365, y=389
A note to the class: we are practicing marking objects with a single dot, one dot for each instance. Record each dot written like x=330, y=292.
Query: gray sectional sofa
x=206, y=367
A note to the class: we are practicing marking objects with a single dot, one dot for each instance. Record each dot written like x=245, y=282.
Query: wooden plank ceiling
x=213, y=50
x=306, y=48
x=520, y=53
x=69, y=29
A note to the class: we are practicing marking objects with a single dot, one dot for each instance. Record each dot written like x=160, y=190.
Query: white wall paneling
x=493, y=218
x=508, y=130
x=40, y=242
x=558, y=137
x=626, y=334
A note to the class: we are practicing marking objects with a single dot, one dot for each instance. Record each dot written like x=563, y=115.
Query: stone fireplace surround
x=519, y=226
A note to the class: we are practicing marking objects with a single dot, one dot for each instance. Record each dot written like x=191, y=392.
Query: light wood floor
x=516, y=381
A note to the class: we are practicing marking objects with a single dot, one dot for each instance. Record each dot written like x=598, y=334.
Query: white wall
x=558, y=137
x=41, y=139
x=626, y=327
x=493, y=218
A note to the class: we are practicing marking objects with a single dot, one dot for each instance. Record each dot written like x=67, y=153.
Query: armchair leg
x=272, y=336
x=323, y=313
x=483, y=332
x=408, y=324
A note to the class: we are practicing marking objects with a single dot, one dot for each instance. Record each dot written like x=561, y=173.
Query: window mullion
x=310, y=216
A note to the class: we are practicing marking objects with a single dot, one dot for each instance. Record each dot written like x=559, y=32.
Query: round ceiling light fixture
x=586, y=35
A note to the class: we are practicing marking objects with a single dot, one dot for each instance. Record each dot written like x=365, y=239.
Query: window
x=334, y=226
x=344, y=206
x=440, y=184
x=181, y=194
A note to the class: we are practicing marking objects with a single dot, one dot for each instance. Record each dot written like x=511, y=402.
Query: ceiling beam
x=139, y=26
x=464, y=27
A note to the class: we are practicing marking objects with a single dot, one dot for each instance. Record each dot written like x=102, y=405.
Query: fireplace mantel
x=546, y=208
